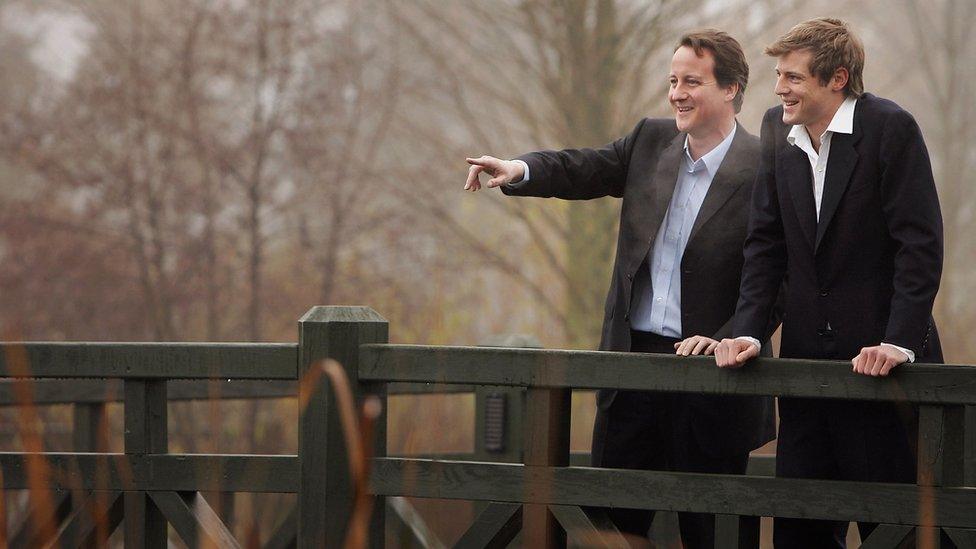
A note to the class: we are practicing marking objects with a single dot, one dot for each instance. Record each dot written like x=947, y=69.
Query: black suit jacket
x=869, y=270
x=642, y=168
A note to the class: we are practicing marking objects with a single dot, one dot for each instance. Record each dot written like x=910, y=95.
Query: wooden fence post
x=326, y=493
x=145, y=433
x=546, y=444
x=941, y=461
x=498, y=410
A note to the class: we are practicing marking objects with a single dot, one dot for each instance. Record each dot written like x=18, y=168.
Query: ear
x=839, y=80
x=731, y=91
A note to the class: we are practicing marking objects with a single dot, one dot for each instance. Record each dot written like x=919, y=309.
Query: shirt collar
x=842, y=122
x=713, y=158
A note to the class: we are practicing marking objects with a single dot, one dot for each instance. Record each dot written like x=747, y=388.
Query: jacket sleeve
x=579, y=174
x=764, y=251
x=775, y=319
x=911, y=208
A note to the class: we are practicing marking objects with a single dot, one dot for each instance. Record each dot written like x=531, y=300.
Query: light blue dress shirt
x=659, y=310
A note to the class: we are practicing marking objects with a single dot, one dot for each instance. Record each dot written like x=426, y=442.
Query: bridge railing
x=546, y=498
x=543, y=499
x=143, y=488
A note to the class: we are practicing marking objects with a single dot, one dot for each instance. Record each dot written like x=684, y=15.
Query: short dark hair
x=833, y=45
x=730, y=63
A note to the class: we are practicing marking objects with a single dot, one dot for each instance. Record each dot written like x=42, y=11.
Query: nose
x=677, y=93
x=781, y=88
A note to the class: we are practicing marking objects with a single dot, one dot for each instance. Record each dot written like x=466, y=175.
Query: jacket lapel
x=797, y=171
x=840, y=165
x=724, y=184
x=663, y=182
x=656, y=193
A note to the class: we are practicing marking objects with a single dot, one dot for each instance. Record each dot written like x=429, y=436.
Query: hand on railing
x=695, y=345
x=733, y=353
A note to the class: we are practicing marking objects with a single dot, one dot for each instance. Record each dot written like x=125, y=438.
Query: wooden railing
x=547, y=497
x=544, y=499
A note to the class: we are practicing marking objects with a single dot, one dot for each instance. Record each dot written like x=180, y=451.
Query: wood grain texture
x=153, y=360
x=582, y=532
x=886, y=536
x=742, y=495
x=639, y=371
x=963, y=538
x=193, y=519
x=494, y=528
x=82, y=527
x=231, y=473
x=324, y=502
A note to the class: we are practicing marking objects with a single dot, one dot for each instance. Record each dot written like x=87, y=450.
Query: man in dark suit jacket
x=845, y=208
x=685, y=185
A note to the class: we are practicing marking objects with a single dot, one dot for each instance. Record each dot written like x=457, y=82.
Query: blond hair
x=833, y=46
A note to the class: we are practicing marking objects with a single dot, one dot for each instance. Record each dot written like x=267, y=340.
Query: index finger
x=472, y=182
x=484, y=160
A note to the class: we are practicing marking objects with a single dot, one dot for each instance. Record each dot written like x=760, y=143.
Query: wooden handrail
x=546, y=368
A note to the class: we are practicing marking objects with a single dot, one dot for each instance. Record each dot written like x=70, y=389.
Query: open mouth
x=790, y=102
x=684, y=109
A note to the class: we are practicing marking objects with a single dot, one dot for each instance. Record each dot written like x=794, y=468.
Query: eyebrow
x=791, y=73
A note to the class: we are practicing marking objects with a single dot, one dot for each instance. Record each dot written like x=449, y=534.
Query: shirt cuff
x=910, y=354
x=752, y=340
x=525, y=178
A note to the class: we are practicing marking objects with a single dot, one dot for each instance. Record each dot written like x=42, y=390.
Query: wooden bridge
x=80, y=498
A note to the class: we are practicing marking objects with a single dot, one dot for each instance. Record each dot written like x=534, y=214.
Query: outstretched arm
x=572, y=174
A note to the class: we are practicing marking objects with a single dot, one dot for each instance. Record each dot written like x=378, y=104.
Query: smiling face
x=806, y=100
x=701, y=106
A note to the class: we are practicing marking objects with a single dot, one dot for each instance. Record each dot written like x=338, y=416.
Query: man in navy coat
x=845, y=210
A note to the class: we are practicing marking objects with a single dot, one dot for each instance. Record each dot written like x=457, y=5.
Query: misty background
x=208, y=170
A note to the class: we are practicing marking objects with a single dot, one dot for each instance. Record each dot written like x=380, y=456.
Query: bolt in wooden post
x=145, y=433
x=324, y=503
x=546, y=444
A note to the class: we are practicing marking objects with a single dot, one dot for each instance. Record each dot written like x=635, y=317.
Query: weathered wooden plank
x=638, y=371
x=193, y=519
x=145, y=433
x=886, y=536
x=494, y=528
x=34, y=531
x=582, y=532
x=546, y=444
x=941, y=460
x=325, y=500
x=428, y=389
x=601, y=519
x=701, y=493
x=89, y=427
x=156, y=360
x=231, y=473
x=82, y=527
x=285, y=534
x=970, y=446
x=412, y=525
x=83, y=391
x=963, y=538
x=727, y=531
x=941, y=445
